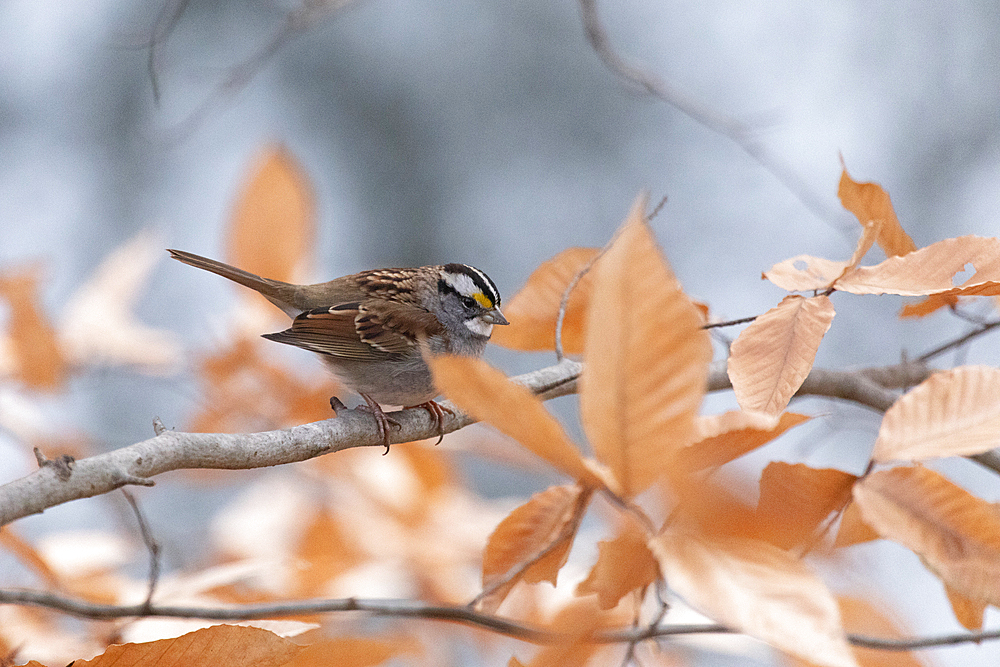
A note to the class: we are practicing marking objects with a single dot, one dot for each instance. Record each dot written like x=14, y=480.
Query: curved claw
x=437, y=414
x=382, y=420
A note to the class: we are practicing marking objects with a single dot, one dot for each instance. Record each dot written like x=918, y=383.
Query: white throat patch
x=478, y=327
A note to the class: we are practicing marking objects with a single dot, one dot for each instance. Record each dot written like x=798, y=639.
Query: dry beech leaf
x=853, y=529
x=577, y=621
x=956, y=534
x=533, y=310
x=646, y=360
x=271, y=233
x=489, y=395
x=805, y=273
x=29, y=556
x=533, y=541
x=623, y=565
x=325, y=551
x=931, y=270
x=354, y=652
x=864, y=618
x=772, y=357
x=215, y=646
x=795, y=499
x=723, y=438
x=870, y=203
x=928, y=305
x=37, y=355
x=967, y=611
x=98, y=323
x=951, y=413
x=757, y=589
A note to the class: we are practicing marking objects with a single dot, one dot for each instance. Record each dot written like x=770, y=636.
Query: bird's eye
x=468, y=302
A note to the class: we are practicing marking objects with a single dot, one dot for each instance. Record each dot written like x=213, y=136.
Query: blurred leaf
x=722, y=438
x=955, y=534
x=795, y=499
x=967, y=611
x=772, y=357
x=533, y=311
x=646, y=360
x=861, y=617
x=216, y=646
x=870, y=203
x=931, y=270
x=804, y=273
x=273, y=221
x=533, y=542
x=951, y=413
x=577, y=621
x=623, y=565
x=246, y=393
x=853, y=529
x=757, y=589
x=38, y=360
x=488, y=395
x=325, y=552
x=928, y=305
x=28, y=555
x=99, y=325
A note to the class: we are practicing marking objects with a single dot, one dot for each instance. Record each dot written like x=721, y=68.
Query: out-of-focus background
x=491, y=133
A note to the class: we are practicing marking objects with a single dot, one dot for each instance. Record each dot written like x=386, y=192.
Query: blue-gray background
x=490, y=133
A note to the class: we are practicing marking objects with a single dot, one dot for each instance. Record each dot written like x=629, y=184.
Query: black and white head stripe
x=470, y=281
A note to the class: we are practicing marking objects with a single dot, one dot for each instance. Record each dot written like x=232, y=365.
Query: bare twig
x=958, y=342
x=404, y=609
x=729, y=323
x=738, y=132
x=152, y=546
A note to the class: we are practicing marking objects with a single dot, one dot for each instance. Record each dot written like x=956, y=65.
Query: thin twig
x=152, y=546
x=729, y=323
x=402, y=609
x=961, y=340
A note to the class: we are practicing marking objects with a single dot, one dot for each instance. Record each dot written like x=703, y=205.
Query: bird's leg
x=437, y=414
x=382, y=419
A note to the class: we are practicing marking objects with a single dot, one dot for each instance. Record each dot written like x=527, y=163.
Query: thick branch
x=53, y=485
x=405, y=609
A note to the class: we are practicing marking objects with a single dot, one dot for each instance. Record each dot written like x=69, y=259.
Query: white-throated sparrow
x=368, y=327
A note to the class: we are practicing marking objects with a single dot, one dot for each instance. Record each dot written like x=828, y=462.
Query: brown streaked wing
x=329, y=331
x=393, y=326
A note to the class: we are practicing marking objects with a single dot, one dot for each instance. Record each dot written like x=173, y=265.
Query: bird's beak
x=493, y=316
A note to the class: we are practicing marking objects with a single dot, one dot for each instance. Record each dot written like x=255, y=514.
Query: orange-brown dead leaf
x=804, y=273
x=39, y=360
x=795, y=499
x=951, y=413
x=956, y=534
x=28, y=555
x=533, y=311
x=862, y=617
x=871, y=204
x=244, y=392
x=772, y=357
x=532, y=543
x=623, y=565
x=646, y=360
x=273, y=221
x=218, y=646
x=354, y=652
x=489, y=395
x=326, y=551
x=758, y=589
x=931, y=270
x=967, y=611
x=722, y=438
x=928, y=305
x=577, y=621
x=853, y=529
